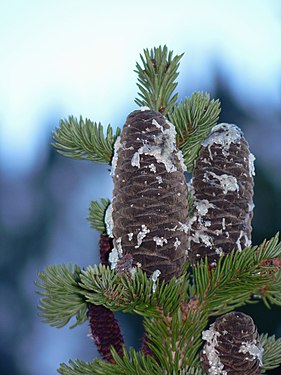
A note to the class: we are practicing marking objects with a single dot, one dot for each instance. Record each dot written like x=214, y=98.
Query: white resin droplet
x=199, y=236
x=113, y=258
x=141, y=235
x=238, y=243
x=227, y=182
x=254, y=350
x=154, y=278
x=152, y=168
x=160, y=241
x=184, y=227
x=159, y=179
x=177, y=243
x=252, y=165
x=211, y=337
x=251, y=206
x=115, y=255
x=219, y=251
x=203, y=206
x=223, y=134
x=135, y=162
x=108, y=219
x=117, y=146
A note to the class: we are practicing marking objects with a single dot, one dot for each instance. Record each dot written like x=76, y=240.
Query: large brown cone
x=222, y=189
x=150, y=195
x=232, y=346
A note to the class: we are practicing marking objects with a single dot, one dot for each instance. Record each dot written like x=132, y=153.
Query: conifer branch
x=194, y=118
x=238, y=277
x=175, y=339
x=102, y=286
x=85, y=140
x=62, y=299
x=97, y=213
x=156, y=79
x=131, y=363
x=272, y=352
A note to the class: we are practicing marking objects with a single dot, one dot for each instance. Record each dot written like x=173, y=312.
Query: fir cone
x=104, y=328
x=232, y=346
x=150, y=196
x=105, y=331
x=105, y=245
x=222, y=189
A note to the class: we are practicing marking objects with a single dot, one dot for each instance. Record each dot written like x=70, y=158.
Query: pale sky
x=77, y=57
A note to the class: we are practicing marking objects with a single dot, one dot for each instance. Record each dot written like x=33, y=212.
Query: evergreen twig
x=61, y=296
x=194, y=118
x=96, y=214
x=156, y=79
x=100, y=285
x=131, y=363
x=176, y=338
x=238, y=278
x=85, y=140
x=272, y=352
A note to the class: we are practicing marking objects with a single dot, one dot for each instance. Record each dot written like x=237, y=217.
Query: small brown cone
x=222, y=189
x=105, y=244
x=104, y=328
x=232, y=346
x=105, y=331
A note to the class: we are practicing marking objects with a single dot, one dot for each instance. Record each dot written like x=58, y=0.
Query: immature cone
x=149, y=203
x=105, y=329
x=105, y=245
x=222, y=189
x=232, y=346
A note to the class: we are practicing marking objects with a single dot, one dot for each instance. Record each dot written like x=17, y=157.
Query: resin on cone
x=222, y=191
x=232, y=346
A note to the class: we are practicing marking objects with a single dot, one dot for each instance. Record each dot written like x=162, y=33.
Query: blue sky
x=77, y=57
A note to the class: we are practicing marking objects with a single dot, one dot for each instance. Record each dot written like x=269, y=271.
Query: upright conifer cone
x=232, y=346
x=105, y=329
x=222, y=189
x=149, y=203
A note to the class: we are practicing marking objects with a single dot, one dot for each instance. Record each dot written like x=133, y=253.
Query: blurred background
x=77, y=57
